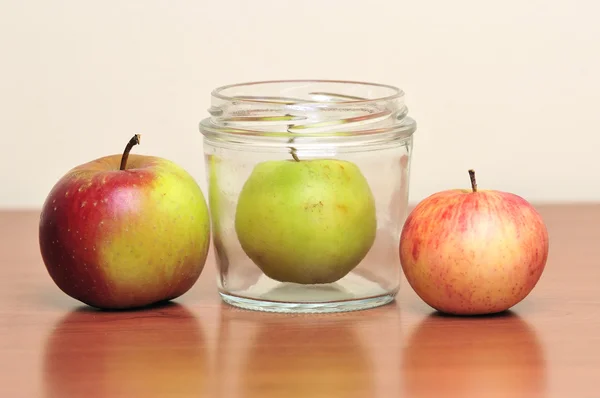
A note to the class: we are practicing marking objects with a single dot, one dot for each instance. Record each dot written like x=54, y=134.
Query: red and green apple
x=125, y=231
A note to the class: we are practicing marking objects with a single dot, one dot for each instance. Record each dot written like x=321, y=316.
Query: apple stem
x=293, y=152
x=292, y=149
x=473, y=181
x=135, y=140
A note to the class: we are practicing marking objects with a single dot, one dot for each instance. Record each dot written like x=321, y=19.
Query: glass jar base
x=309, y=307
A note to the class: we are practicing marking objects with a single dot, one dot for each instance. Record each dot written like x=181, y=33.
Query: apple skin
x=118, y=239
x=308, y=221
x=473, y=253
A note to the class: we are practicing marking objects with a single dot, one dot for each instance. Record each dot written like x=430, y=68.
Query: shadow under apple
x=486, y=356
x=159, y=351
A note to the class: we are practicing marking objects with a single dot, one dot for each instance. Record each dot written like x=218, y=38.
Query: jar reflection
x=122, y=354
x=498, y=356
x=268, y=355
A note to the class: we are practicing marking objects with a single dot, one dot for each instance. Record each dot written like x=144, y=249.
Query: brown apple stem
x=473, y=182
x=292, y=149
x=135, y=140
x=293, y=152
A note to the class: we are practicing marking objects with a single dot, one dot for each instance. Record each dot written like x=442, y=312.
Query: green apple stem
x=135, y=140
x=473, y=181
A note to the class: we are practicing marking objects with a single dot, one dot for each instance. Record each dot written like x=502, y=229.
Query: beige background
x=510, y=88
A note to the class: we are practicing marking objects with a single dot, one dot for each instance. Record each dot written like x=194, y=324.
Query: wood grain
x=546, y=346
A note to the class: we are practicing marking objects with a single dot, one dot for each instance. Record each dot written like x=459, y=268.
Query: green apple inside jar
x=308, y=193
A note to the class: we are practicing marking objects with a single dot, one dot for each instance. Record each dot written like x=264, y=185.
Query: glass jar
x=308, y=192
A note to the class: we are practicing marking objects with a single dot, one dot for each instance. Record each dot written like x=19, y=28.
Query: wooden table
x=547, y=346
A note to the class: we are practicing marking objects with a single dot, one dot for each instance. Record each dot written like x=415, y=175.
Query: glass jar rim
x=396, y=92
x=270, y=113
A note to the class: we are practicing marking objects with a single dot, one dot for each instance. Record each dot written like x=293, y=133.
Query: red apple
x=125, y=231
x=470, y=252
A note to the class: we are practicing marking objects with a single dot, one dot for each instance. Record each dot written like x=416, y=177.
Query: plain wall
x=509, y=88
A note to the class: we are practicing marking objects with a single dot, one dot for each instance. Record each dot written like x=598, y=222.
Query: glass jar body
x=307, y=201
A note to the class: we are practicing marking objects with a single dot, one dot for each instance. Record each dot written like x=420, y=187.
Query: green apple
x=307, y=221
x=125, y=231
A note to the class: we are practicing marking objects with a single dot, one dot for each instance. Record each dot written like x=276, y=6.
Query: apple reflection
x=155, y=352
x=497, y=356
x=278, y=355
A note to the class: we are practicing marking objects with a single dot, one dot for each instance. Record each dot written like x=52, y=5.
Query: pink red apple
x=471, y=252
x=125, y=231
